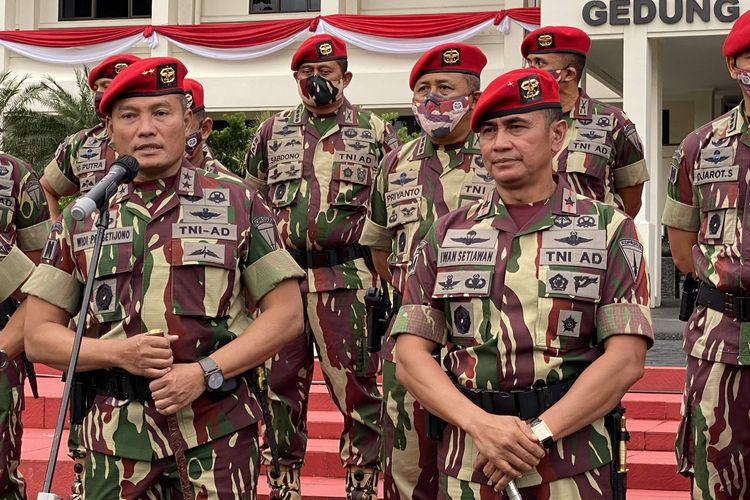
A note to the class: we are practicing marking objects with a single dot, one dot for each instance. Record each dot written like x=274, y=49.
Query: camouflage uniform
x=23, y=228
x=602, y=151
x=317, y=174
x=80, y=161
x=179, y=255
x=518, y=308
x=415, y=184
x=211, y=164
x=707, y=195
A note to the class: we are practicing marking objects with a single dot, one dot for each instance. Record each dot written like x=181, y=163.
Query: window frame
x=279, y=11
x=93, y=17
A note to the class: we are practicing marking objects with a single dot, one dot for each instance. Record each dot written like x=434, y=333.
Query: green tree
x=230, y=144
x=403, y=133
x=45, y=114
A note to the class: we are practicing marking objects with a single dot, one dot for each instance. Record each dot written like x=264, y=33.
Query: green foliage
x=230, y=144
x=402, y=132
x=44, y=115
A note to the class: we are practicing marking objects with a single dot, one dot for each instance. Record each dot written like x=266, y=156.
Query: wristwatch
x=3, y=360
x=542, y=432
x=212, y=374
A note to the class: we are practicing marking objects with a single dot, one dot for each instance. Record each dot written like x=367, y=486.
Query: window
x=103, y=9
x=276, y=6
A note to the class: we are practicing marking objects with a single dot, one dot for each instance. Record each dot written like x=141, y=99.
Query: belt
x=329, y=258
x=735, y=306
x=121, y=385
x=522, y=403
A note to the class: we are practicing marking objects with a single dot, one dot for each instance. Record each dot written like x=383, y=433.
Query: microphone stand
x=102, y=222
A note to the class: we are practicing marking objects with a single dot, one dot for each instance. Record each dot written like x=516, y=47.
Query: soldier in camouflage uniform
x=171, y=417
x=534, y=290
x=706, y=216
x=602, y=156
x=415, y=184
x=201, y=126
x=316, y=163
x=24, y=226
x=83, y=158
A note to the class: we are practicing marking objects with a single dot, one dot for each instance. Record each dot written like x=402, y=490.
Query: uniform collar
x=185, y=184
x=426, y=149
x=346, y=115
x=733, y=123
x=582, y=107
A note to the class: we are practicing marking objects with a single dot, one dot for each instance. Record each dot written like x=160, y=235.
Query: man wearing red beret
x=316, y=163
x=602, y=156
x=537, y=298
x=83, y=158
x=200, y=128
x=415, y=184
x=706, y=215
x=171, y=411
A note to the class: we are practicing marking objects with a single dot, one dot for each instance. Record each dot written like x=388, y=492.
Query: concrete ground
x=667, y=349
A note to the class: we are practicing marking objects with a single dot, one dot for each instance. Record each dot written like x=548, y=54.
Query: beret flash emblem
x=545, y=40
x=189, y=99
x=530, y=89
x=119, y=67
x=325, y=49
x=451, y=56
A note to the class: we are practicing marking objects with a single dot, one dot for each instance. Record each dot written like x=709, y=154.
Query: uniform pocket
x=209, y=265
x=718, y=213
x=350, y=186
x=112, y=294
x=466, y=327
x=283, y=194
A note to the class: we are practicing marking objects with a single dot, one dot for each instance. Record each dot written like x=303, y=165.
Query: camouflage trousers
x=591, y=485
x=12, y=484
x=713, y=441
x=223, y=469
x=334, y=322
x=410, y=458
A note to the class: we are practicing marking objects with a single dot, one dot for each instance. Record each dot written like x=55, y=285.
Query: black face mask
x=98, y=99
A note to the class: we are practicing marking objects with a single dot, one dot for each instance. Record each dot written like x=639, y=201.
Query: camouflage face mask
x=439, y=116
x=192, y=141
x=743, y=80
x=317, y=92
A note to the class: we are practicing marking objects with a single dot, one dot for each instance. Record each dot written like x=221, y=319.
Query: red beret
x=449, y=58
x=515, y=92
x=317, y=49
x=111, y=67
x=148, y=77
x=550, y=39
x=738, y=39
x=194, y=94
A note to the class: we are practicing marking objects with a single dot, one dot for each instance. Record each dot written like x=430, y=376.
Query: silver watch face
x=215, y=380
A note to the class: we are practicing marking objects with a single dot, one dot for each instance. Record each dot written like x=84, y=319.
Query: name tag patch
x=212, y=231
x=475, y=191
x=285, y=157
x=112, y=236
x=573, y=257
x=365, y=159
x=409, y=192
x=469, y=283
x=90, y=166
x=717, y=174
x=590, y=148
x=466, y=257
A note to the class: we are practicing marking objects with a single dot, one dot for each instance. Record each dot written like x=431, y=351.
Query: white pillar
x=7, y=22
x=642, y=102
x=163, y=12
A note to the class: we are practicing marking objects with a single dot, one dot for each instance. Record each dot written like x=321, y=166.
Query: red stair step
x=652, y=406
x=316, y=488
x=324, y=424
x=661, y=379
x=657, y=495
x=655, y=470
x=654, y=435
x=34, y=456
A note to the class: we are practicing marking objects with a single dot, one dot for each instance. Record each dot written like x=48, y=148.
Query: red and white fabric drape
x=406, y=34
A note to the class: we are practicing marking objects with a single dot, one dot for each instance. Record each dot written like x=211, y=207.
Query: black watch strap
x=209, y=368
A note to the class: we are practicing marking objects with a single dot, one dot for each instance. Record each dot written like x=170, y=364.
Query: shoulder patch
x=632, y=250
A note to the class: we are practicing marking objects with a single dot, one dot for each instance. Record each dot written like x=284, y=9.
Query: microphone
x=122, y=171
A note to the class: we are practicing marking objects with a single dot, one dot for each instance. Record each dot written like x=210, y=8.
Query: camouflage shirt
x=81, y=161
x=319, y=186
x=24, y=222
x=707, y=195
x=415, y=184
x=602, y=151
x=179, y=255
x=211, y=164
x=523, y=307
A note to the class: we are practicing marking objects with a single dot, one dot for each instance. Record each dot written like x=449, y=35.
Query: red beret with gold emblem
x=111, y=67
x=738, y=39
x=194, y=95
x=449, y=58
x=515, y=92
x=551, y=39
x=148, y=77
x=317, y=49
